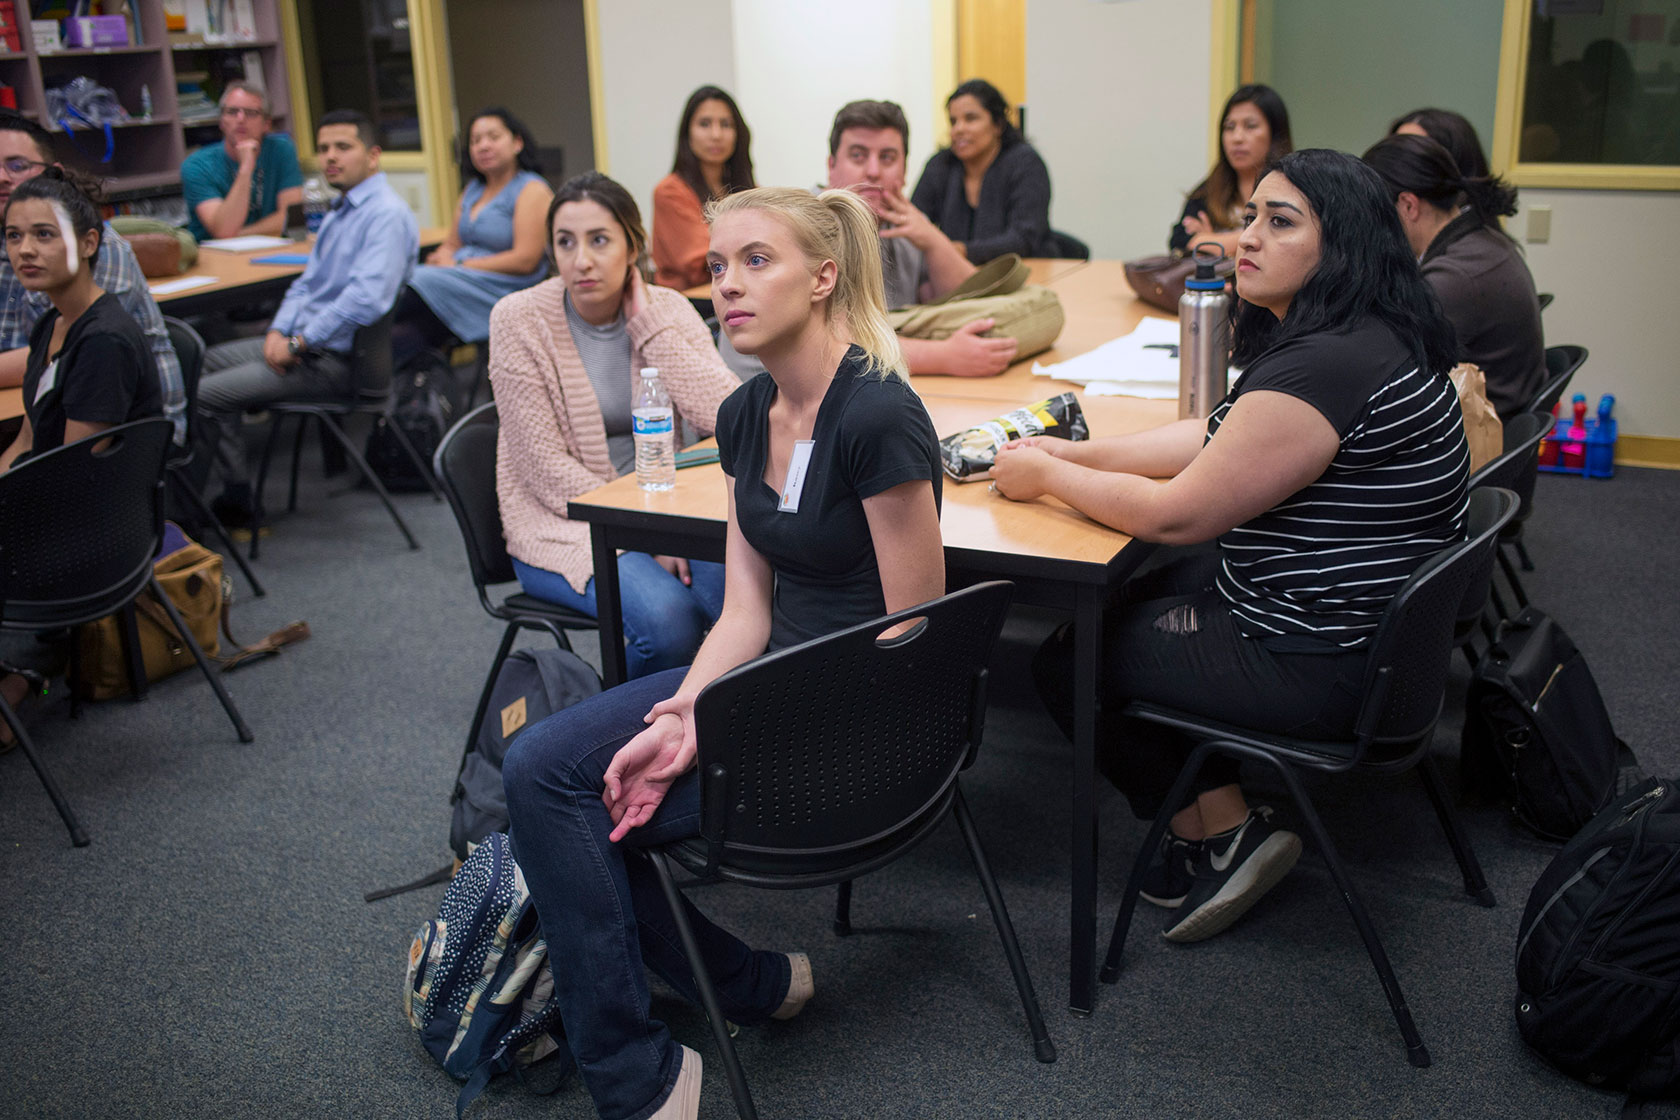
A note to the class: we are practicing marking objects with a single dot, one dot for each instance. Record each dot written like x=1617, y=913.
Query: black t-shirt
x=103, y=374
x=871, y=434
x=1321, y=566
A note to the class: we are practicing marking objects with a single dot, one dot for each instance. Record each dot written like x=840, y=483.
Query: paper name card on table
x=1146, y=357
x=245, y=244
x=184, y=284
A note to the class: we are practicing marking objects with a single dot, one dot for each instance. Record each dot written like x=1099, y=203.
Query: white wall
x=798, y=61
x=654, y=53
x=1117, y=100
x=1610, y=262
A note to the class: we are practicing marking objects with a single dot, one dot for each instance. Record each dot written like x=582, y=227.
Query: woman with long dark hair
x=564, y=362
x=1253, y=133
x=1336, y=464
x=796, y=280
x=714, y=159
x=1453, y=131
x=494, y=248
x=1452, y=224
x=989, y=192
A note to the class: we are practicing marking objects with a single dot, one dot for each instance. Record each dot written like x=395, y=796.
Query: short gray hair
x=255, y=91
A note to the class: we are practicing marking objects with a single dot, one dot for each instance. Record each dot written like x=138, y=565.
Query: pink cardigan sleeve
x=671, y=335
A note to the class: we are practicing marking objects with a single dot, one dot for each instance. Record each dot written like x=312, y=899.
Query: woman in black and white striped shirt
x=1336, y=464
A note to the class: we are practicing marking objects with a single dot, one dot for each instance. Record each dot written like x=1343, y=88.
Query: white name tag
x=797, y=466
x=49, y=377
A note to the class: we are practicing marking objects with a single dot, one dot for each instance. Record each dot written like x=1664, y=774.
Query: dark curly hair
x=993, y=102
x=527, y=160
x=79, y=195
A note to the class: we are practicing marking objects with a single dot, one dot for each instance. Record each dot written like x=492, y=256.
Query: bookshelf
x=147, y=153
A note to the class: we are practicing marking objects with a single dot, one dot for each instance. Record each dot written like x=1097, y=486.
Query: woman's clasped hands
x=642, y=771
x=1021, y=470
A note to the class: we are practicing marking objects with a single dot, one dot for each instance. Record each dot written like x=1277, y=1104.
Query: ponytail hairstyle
x=1454, y=132
x=1365, y=268
x=1420, y=166
x=76, y=195
x=592, y=186
x=835, y=226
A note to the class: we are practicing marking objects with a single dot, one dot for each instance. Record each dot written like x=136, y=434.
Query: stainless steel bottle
x=1204, y=338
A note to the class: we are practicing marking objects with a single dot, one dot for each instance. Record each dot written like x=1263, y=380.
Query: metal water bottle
x=1204, y=337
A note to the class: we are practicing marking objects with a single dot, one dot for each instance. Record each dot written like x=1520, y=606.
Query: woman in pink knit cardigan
x=563, y=359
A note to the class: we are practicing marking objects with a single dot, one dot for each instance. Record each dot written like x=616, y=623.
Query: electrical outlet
x=1539, y=225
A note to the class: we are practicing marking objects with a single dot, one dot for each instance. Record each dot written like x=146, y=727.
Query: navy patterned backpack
x=479, y=992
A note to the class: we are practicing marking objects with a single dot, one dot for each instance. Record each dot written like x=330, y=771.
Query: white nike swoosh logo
x=1221, y=862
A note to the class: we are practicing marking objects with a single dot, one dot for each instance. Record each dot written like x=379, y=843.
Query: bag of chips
x=970, y=453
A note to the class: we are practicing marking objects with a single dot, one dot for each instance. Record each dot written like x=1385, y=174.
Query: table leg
x=607, y=613
x=1087, y=651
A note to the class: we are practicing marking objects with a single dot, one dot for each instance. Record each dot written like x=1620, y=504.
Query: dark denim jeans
x=601, y=907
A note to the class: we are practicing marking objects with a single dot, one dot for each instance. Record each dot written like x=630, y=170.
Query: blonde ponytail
x=835, y=226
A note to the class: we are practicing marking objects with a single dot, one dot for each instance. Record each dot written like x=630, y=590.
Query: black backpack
x=532, y=685
x=1598, y=952
x=423, y=411
x=1536, y=733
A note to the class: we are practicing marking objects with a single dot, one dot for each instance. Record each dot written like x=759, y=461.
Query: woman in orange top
x=713, y=160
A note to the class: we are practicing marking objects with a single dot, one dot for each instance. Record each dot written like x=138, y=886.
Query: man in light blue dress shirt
x=362, y=258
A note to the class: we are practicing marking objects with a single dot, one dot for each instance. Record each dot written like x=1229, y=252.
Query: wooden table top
x=1099, y=306
x=1044, y=270
x=230, y=271
x=973, y=517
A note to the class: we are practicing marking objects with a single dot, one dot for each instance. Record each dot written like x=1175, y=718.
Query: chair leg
x=1151, y=842
x=843, y=909
x=132, y=660
x=1510, y=571
x=78, y=834
x=708, y=995
x=257, y=510
x=1522, y=555
x=414, y=458
x=210, y=675
x=1042, y=1046
x=1475, y=884
x=297, y=462
x=1498, y=601
x=484, y=693
x=209, y=521
x=1469, y=652
x=355, y=456
x=559, y=634
x=1416, y=1052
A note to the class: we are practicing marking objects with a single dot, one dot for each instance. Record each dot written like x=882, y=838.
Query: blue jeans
x=601, y=907
x=663, y=620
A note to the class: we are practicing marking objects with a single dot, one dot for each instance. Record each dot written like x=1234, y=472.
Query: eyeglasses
x=17, y=165
x=237, y=111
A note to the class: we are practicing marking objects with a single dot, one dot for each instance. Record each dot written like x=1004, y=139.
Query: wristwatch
x=296, y=345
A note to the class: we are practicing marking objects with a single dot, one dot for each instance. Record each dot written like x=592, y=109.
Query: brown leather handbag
x=1159, y=281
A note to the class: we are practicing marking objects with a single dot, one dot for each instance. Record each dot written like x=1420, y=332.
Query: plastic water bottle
x=316, y=202
x=656, y=436
x=1204, y=338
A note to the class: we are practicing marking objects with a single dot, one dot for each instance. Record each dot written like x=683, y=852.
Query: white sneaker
x=684, y=1101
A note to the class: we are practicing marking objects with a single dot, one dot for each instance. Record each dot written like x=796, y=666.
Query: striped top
x=1323, y=565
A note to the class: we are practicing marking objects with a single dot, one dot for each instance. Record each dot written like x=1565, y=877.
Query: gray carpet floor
x=210, y=954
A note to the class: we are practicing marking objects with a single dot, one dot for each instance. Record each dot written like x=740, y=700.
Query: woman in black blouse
x=833, y=474
x=989, y=192
x=89, y=368
x=1253, y=133
x=1335, y=466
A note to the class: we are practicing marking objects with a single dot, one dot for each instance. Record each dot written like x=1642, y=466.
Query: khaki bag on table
x=1482, y=427
x=998, y=290
x=192, y=578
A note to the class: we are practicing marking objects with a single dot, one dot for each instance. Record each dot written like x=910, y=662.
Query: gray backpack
x=532, y=685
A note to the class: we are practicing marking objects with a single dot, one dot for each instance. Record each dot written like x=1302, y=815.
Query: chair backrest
x=79, y=526
x=371, y=360
x=1068, y=247
x=1406, y=676
x=465, y=465
x=1561, y=364
x=832, y=744
x=1545, y=299
x=1516, y=462
x=189, y=352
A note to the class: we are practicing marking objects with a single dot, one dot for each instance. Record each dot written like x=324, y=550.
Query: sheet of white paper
x=184, y=284
x=246, y=244
x=1134, y=358
x=1148, y=390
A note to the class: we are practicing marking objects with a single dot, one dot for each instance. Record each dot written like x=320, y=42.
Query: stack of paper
x=1141, y=364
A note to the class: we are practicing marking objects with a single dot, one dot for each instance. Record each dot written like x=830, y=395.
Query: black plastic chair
x=1512, y=469
x=79, y=528
x=465, y=464
x=1405, y=682
x=1065, y=246
x=370, y=358
x=189, y=352
x=1545, y=299
x=1561, y=363
x=828, y=760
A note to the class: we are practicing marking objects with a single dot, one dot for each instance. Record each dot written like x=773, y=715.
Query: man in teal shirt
x=244, y=184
